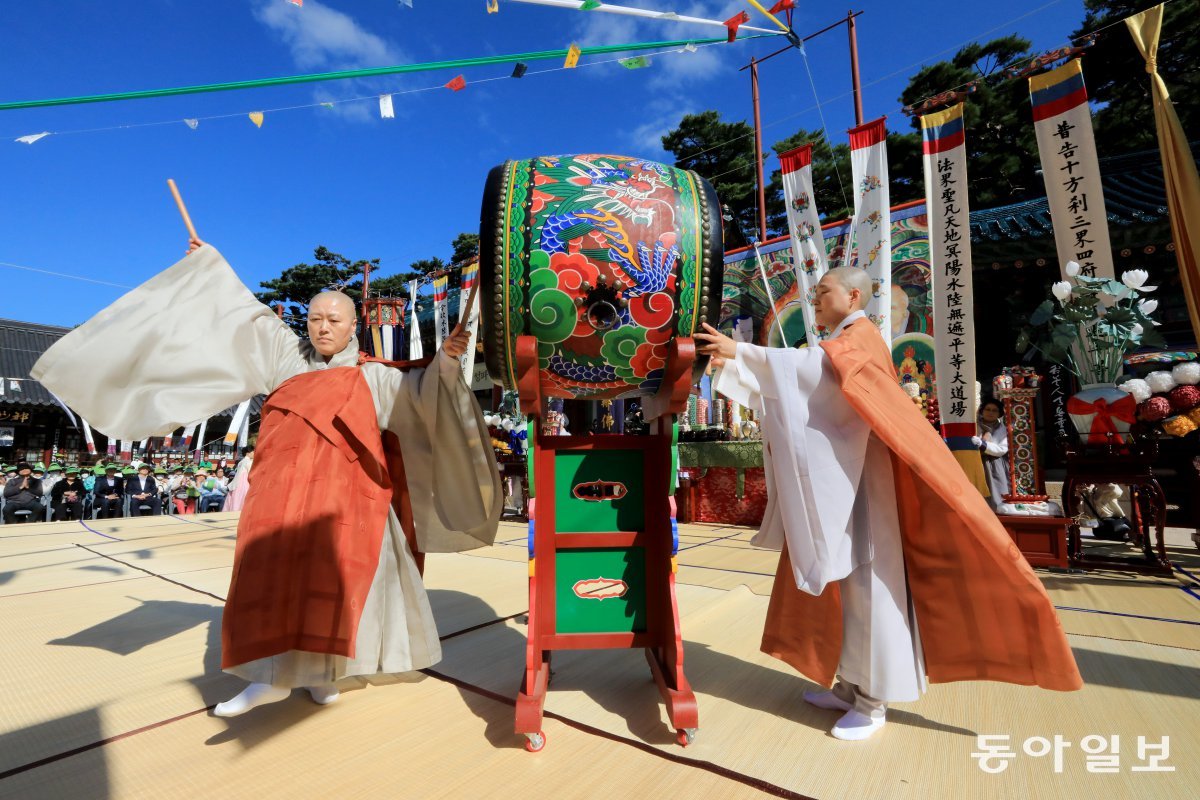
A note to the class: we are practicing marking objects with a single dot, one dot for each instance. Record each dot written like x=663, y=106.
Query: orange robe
x=981, y=611
x=310, y=533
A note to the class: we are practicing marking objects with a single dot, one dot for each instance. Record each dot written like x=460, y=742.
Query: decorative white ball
x=1160, y=382
x=1138, y=388
x=1187, y=374
x=911, y=389
x=507, y=424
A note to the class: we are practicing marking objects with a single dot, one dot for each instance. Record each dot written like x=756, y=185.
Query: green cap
x=160, y=471
x=55, y=467
x=72, y=470
x=39, y=467
x=129, y=471
x=189, y=470
x=98, y=470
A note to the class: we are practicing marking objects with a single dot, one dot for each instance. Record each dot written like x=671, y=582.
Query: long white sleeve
x=216, y=345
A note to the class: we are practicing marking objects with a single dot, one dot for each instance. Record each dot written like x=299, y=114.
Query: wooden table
x=1042, y=540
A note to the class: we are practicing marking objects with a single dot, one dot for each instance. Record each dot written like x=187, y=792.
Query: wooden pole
x=854, y=79
x=758, y=154
x=187, y=220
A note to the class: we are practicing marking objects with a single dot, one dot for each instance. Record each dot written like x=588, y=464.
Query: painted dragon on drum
x=604, y=260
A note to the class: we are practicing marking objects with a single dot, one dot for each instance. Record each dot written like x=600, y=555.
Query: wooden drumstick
x=187, y=220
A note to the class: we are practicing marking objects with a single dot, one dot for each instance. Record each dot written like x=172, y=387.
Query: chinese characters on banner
x=441, y=312
x=469, y=317
x=943, y=141
x=1060, y=382
x=871, y=226
x=1062, y=121
x=804, y=227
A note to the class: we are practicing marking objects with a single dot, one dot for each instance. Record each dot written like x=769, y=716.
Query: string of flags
x=386, y=101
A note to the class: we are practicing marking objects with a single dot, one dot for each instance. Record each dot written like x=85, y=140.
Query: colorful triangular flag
x=457, y=84
x=299, y=3
x=192, y=123
x=519, y=70
x=783, y=5
x=257, y=118
x=326, y=105
x=33, y=137
x=405, y=3
x=493, y=6
x=736, y=21
x=668, y=15
x=573, y=54
x=588, y=5
x=637, y=62
x=385, y=107
x=690, y=48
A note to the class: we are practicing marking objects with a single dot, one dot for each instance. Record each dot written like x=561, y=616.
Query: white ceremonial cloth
x=814, y=448
x=831, y=496
x=452, y=479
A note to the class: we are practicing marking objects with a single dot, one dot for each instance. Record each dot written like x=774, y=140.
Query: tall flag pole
x=1062, y=121
x=943, y=142
x=804, y=228
x=871, y=226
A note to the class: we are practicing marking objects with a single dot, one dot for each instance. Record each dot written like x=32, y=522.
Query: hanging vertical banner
x=871, y=226
x=387, y=335
x=943, y=141
x=188, y=433
x=87, y=437
x=168, y=439
x=441, y=314
x=386, y=109
x=415, y=350
x=804, y=227
x=235, y=424
x=111, y=450
x=126, y=450
x=244, y=434
x=1062, y=121
x=470, y=276
x=198, y=454
x=142, y=445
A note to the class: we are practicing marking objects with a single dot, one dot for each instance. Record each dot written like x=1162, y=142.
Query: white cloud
x=321, y=37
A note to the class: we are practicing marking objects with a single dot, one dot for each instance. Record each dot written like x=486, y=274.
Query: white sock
x=324, y=694
x=256, y=694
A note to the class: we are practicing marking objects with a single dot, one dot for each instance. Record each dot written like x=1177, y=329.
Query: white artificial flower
x=1062, y=290
x=1072, y=269
x=1134, y=278
x=1147, y=307
x=1137, y=329
x=507, y=425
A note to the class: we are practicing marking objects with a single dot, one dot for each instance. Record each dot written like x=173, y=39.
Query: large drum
x=604, y=260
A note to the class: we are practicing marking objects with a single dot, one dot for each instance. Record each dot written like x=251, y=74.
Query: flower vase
x=1100, y=409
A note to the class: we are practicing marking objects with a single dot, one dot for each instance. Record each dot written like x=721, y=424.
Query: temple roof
x=1134, y=194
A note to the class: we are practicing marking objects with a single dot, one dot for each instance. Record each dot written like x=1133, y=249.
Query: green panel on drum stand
x=601, y=590
x=598, y=491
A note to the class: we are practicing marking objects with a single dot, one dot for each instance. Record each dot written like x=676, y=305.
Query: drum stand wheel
x=534, y=742
x=685, y=736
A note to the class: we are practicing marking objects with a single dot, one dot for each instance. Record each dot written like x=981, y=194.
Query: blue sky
x=95, y=204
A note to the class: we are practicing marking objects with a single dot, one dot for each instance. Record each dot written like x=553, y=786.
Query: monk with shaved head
x=894, y=571
x=325, y=584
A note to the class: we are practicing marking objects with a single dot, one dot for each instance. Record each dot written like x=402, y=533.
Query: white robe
x=831, y=498
x=246, y=350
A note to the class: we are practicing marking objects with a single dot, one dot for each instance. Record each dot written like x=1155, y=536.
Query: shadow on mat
x=82, y=775
x=1137, y=674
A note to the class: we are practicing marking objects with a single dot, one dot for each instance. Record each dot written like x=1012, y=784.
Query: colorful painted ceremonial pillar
x=943, y=142
x=1062, y=121
x=804, y=228
x=870, y=231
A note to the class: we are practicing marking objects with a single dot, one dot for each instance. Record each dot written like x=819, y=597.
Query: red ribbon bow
x=735, y=22
x=1102, y=424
